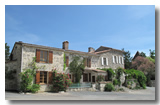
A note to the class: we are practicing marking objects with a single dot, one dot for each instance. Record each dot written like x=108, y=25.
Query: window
x=88, y=62
x=120, y=60
x=43, y=77
x=104, y=61
x=115, y=59
x=67, y=61
x=43, y=56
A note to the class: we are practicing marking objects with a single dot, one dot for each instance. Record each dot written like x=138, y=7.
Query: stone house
x=48, y=58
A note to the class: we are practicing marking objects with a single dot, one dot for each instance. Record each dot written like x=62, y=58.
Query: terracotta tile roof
x=96, y=53
x=58, y=49
x=103, y=49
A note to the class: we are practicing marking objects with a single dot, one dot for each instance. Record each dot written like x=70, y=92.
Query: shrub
x=26, y=80
x=109, y=87
x=115, y=82
x=100, y=78
x=34, y=88
x=139, y=75
x=60, y=81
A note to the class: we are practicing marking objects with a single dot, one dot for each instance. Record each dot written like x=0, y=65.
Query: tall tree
x=143, y=54
x=152, y=54
x=143, y=64
x=127, y=59
x=7, y=53
x=76, y=67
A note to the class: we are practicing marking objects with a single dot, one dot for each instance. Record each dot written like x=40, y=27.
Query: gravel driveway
x=145, y=94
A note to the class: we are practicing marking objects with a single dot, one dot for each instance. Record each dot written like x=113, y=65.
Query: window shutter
x=106, y=61
x=102, y=61
x=119, y=60
x=122, y=61
x=113, y=59
x=50, y=77
x=37, y=55
x=90, y=62
x=67, y=61
x=37, y=77
x=50, y=56
x=85, y=62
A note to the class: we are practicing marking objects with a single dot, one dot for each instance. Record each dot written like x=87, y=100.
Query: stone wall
x=130, y=83
x=30, y=52
x=15, y=64
x=110, y=60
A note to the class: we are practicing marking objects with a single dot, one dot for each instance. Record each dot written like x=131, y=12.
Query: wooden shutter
x=37, y=77
x=102, y=61
x=50, y=73
x=50, y=56
x=85, y=62
x=67, y=61
x=37, y=55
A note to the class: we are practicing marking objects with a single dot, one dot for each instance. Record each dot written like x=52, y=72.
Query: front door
x=93, y=78
x=85, y=77
x=89, y=77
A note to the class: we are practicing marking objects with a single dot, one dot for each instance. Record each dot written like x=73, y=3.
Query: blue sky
x=123, y=26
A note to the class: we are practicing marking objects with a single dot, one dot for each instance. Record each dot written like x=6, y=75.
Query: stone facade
x=15, y=64
x=110, y=55
x=23, y=53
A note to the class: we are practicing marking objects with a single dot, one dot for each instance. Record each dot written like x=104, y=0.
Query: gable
x=102, y=48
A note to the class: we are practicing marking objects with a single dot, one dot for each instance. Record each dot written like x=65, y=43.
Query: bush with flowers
x=61, y=81
x=100, y=78
x=26, y=82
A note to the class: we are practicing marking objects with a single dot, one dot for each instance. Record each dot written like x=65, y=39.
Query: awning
x=96, y=70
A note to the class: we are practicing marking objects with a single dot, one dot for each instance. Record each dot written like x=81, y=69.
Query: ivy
x=10, y=74
x=64, y=60
x=110, y=72
x=139, y=75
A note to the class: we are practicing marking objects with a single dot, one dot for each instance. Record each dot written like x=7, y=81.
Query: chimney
x=90, y=49
x=65, y=45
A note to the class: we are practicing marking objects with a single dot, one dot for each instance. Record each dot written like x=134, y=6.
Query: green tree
x=151, y=59
x=76, y=67
x=143, y=54
x=127, y=59
x=152, y=54
x=7, y=53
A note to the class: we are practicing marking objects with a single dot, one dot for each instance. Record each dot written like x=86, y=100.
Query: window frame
x=88, y=62
x=42, y=82
x=44, y=56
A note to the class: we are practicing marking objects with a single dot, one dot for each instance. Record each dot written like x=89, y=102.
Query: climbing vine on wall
x=64, y=60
